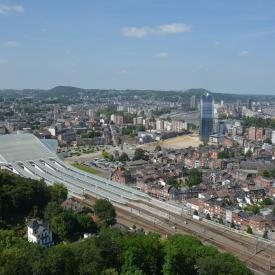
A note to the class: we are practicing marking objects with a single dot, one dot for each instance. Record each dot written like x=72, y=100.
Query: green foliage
x=249, y=230
x=19, y=196
x=259, y=122
x=265, y=174
x=105, y=212
x=123, y=157
x=268, y=140
x=66, y=225
x=86, y=168
x=265, y=235
x=58, y=192
x=140, y=154
x=158, y=148
x=248, y=153
x=221, y=263
x=225, y=154
x=180, y=255
x=194, y=177
x=112, y=253
x=254, y=208
x=173, y=182
x=9, y=239
x=91, y=134
x=267, y=201
x=107, y=156
x=143, y=252
x=232, y=225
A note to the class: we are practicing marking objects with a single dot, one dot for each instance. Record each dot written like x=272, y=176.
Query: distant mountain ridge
x=70, y=90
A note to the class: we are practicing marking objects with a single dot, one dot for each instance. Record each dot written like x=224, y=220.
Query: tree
x=9, y=239
x=196, y=213
x=232, y=225
x=248, y=153
x=267, y=201
x=272, y=173
x=57, y=260
x=158, y=148
x=64, y=225
x=221, y=263
x=265, y=174
x=180, y=255
x=255, y=209
x=123, y=157
x=58, y=192
x=105, y=212
x=52, y=209
x=194, y=177
x=88, y=257
x=143, y=252
x=265, y=235
x=19, y=196
x=140, y=154
x=173, y=182
x=268, y=140
x=14, y=261
x=249, y=230
x=86, y=224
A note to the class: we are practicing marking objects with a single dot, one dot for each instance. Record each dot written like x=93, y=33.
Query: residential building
x=40, y=233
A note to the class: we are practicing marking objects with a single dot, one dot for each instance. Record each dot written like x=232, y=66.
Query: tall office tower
x=249, y=104
x=207, y=116
x=273, y=137
x=193, y=102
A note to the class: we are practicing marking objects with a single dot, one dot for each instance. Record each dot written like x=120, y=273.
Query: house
x=40, y=233
x=122, y=176
x=258, y=224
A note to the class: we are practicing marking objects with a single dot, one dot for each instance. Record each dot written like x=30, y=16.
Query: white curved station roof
x=30, y=158
x=22, y=147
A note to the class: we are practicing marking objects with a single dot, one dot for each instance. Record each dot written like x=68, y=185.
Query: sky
x=219, y=45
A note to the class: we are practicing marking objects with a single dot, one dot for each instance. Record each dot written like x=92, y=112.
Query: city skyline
x=166, y=45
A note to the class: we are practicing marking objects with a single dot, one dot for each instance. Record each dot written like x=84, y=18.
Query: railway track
x=165, y=222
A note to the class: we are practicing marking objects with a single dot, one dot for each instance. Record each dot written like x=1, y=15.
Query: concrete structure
x=117, y=119
x=207, y=116
x=27, y=156
x=40, y=233
x=193, y=102
x=273, y=137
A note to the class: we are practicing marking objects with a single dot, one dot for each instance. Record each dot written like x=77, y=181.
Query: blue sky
x=220, y=45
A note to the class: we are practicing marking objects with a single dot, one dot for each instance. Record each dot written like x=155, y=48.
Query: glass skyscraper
x=207, y=116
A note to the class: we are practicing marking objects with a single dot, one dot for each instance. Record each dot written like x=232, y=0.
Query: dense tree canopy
x=194, y=177
x=105, y=212
x=140, y=154
x=112, y=252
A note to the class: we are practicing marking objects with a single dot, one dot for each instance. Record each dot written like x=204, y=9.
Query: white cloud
x=11, y=44
x=7, y=8
x=122, y=72
x=140, y=32
x=161, y=55
x=243, y=53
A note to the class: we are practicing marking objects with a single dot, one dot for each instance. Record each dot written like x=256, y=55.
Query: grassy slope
x=86, y=168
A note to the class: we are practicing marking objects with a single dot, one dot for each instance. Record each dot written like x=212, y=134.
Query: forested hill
x=63, y=91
